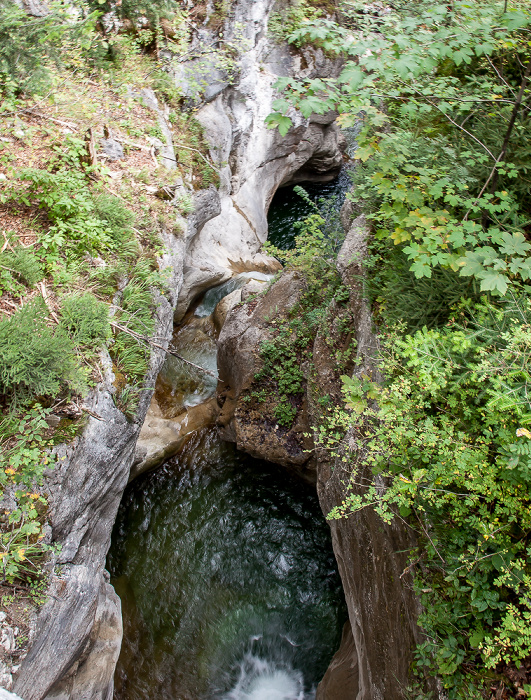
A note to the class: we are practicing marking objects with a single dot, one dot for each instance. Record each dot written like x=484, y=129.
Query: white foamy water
x=262, y=680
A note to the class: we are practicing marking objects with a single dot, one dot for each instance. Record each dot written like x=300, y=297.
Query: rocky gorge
x=78, y=632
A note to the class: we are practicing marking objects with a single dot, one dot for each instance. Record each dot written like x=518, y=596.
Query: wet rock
x=161, y=438
x=226, y=305
x=252, y=160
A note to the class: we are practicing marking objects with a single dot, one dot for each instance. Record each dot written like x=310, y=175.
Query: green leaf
x=277, y=120
x=476, y=638
x=514, y=244
x=516, y=19
x=313, y=105
x=353, y=76
x=494, y=281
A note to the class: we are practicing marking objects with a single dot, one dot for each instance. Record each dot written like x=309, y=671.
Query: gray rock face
x=253, y=161
x=370, y=554
x=85, y=491
x=374, y=659
x=35, y=8
x=161, y=438
x=112, y=148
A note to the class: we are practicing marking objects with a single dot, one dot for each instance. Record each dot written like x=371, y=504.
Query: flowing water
x=228, y=583
x=224, y=563
x=287, y=207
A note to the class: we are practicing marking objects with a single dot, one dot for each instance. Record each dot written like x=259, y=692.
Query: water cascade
x=224, y=563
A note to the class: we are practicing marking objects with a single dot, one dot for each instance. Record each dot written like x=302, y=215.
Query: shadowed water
x=179, y=384
x=228, y=583
x=287, y=207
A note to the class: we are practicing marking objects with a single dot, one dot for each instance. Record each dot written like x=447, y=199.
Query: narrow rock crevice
x=78, y=630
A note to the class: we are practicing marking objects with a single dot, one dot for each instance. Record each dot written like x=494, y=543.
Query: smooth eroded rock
x=254, y=429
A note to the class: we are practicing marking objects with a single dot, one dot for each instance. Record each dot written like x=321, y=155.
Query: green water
x=287, y=207
x=228, y=583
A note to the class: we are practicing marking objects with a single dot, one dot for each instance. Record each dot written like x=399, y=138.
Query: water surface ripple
x=228, y=583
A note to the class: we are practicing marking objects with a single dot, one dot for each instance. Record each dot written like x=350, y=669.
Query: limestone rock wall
x=254, y=161
x=374, y=659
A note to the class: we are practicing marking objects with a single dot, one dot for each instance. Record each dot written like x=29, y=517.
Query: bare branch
x=148, y=341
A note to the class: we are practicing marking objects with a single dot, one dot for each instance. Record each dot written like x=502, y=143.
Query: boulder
x=161, y=438
x=112, y=148
x=252, y=429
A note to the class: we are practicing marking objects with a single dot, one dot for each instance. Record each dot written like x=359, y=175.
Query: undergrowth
x=440, y=93
x=282, y=376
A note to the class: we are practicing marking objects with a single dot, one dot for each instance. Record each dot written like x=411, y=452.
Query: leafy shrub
x=285, y=413
x=85, y=320
x=313, y=258
x=68, y=202
x=81, y=221
x=35, y=360
x=282, y=24
x=397, y=295
x=29, y=44
x=448, y=433
x=152, y=9
x=456, y=196
x=24, y=457
x=116, y=215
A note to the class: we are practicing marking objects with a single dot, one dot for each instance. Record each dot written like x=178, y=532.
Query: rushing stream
x=224, y=563
x=228, y=582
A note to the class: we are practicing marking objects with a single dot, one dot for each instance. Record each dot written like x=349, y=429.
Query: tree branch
x=148, y=341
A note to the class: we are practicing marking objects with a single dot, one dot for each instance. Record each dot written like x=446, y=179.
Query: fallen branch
x=148, y=341
x=189, y=148
x=52, y=119
x=91, y=413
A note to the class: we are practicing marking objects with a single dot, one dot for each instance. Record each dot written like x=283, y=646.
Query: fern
x=35, y=360
x=85, y=320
